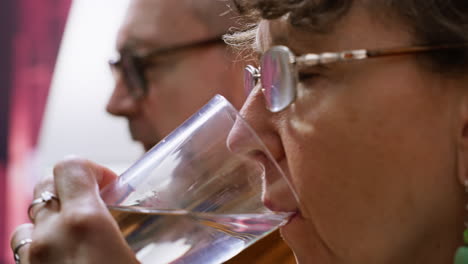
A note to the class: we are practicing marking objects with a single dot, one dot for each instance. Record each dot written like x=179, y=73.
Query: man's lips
x=147, y=142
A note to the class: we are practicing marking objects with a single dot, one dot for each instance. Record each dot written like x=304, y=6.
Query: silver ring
x=46, y=197
x=17, y=248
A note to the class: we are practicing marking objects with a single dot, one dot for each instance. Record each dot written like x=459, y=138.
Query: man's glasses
x=278, y=73
x=132, y=67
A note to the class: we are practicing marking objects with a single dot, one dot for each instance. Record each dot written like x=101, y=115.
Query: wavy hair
x=429, y=21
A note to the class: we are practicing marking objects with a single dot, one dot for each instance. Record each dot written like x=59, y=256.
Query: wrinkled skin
x=181, y=82
x=78, y=230
x=375, y=149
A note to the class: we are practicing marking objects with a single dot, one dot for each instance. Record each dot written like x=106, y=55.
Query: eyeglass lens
x=277, y=76
x=133, y=76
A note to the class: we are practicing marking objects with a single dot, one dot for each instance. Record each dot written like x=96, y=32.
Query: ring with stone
x=45, y=198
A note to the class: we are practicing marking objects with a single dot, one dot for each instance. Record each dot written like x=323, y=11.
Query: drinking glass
x=198, y=196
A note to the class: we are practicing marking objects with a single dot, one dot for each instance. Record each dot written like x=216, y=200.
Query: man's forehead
x=152, y=24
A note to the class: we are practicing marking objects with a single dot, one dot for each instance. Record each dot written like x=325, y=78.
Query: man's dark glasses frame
x=132, y=67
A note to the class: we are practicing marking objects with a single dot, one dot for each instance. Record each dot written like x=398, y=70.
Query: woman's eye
x=308, y=76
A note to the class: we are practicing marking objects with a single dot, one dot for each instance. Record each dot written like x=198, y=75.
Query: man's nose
x=121, y=102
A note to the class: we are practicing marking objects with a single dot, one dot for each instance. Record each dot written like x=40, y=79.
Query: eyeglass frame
x=133, y=72
x=253, y=74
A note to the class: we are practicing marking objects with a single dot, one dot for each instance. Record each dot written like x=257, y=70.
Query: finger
x=105, y=175
x=84, y=223
x=45, y=183
x=77, y=181
x=45, y=201
x=20, y=235
x=74, y=178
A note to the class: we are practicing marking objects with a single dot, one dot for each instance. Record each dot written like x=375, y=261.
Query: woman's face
x=369, y=146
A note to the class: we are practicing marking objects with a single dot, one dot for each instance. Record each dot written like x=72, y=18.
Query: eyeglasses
x=132, y=67
x=278, y=73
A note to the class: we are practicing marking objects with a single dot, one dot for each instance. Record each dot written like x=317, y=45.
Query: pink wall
x=34, y=41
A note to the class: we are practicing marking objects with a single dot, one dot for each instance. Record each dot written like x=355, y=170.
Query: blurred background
x=54, y=85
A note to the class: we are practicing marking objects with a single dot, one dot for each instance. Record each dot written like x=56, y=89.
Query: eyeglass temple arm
x=206, y=42
x=331, y=57
x=415, y=49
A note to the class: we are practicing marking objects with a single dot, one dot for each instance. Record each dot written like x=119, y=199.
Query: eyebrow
x=132, y=46
x=139, y=46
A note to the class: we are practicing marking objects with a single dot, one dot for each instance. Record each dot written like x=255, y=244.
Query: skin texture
x=184, y=81
x=75, y=222
x=178, y=86
x=181, y=82
x=375, y=149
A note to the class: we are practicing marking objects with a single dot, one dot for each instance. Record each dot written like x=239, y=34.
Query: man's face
x=178, y=83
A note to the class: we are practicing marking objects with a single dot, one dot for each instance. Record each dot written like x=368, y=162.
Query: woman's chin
x=305, y=243
x=294, y=228
x=295, y=234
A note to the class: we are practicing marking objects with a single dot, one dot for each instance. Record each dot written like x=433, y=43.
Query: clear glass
x=197, y=197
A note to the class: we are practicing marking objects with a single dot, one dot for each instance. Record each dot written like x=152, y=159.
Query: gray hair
x=430, y=21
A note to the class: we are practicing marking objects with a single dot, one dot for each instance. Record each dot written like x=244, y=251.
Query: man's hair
x=429, y=21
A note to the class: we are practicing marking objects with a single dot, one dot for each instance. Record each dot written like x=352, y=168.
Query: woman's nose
x=261, y=121
x=264, y=146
